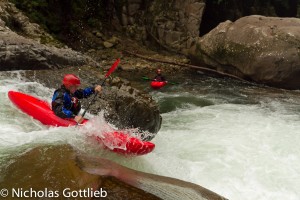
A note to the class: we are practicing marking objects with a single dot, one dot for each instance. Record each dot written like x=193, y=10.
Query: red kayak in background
x=158, y=84
x=41, y=111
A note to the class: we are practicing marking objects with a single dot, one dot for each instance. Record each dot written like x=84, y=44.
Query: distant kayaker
x=65, y=103
x=159, y=77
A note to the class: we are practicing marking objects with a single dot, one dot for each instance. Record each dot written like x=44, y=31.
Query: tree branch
x=203, y=69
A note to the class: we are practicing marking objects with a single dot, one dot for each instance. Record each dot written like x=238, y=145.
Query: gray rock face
x=176, y=23
x=264, y=49
x=19, y=23
x=18, y=52
x=129, y=10
x=173, y=24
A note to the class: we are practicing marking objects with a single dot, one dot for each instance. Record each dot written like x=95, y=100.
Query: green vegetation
x=65, y=15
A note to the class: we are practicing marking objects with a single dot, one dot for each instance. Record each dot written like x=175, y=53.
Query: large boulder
x=20, y=52
x=51, y=171
x=262, y=49
x=220, y=11
x=163, y=187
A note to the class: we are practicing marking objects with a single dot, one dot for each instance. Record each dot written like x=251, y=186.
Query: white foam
x=18, y=129
x=239, y=151
x=247, y=152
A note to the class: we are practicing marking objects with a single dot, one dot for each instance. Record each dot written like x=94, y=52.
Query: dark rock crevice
x=217, y=11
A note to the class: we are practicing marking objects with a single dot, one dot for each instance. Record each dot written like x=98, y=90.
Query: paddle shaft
x=90, y=102
x=110, y=71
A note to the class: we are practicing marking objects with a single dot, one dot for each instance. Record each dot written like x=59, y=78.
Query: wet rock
x=263, y=49
x=54, y=168
x=163, y=187
x=127, y=107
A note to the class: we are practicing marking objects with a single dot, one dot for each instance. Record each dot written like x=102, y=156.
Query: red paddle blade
x=113, y=67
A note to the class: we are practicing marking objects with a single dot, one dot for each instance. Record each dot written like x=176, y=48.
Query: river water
x=240, y=141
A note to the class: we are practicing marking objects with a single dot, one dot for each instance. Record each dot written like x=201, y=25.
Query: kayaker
x=159, y=77
x=65, y=103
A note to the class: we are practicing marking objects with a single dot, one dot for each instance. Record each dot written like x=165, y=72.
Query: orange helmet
x=70, y=80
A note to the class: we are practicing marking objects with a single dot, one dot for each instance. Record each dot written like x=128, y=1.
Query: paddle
x=148, y=79
x=111, y=70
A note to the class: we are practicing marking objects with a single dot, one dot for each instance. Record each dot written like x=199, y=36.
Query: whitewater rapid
x=239, y=141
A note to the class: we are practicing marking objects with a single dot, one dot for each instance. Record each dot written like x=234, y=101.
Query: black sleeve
x=84, y=93
x=58, y=106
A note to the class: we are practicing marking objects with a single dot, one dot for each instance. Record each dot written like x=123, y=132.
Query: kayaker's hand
x=78, y=119
x=98, y=89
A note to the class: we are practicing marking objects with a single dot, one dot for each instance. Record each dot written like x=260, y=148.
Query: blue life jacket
x=67, y=105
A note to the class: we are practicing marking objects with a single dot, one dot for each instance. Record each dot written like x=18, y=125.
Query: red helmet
x=71, y=79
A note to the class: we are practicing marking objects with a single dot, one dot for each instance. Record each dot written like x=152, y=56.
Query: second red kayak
x=41, y=111
x=157, y=84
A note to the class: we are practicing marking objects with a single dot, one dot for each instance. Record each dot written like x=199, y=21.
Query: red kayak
x=158, y=84
x=41, y=111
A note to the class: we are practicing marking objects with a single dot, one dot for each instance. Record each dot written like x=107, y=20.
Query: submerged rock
x=54, y=168
x=263, y=49
x=164, y=187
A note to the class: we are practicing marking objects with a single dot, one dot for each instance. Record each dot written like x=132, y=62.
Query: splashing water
x=18, y=131
x=17, y=123
x=239, y=141
x=98, y=128
x=121, y=141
